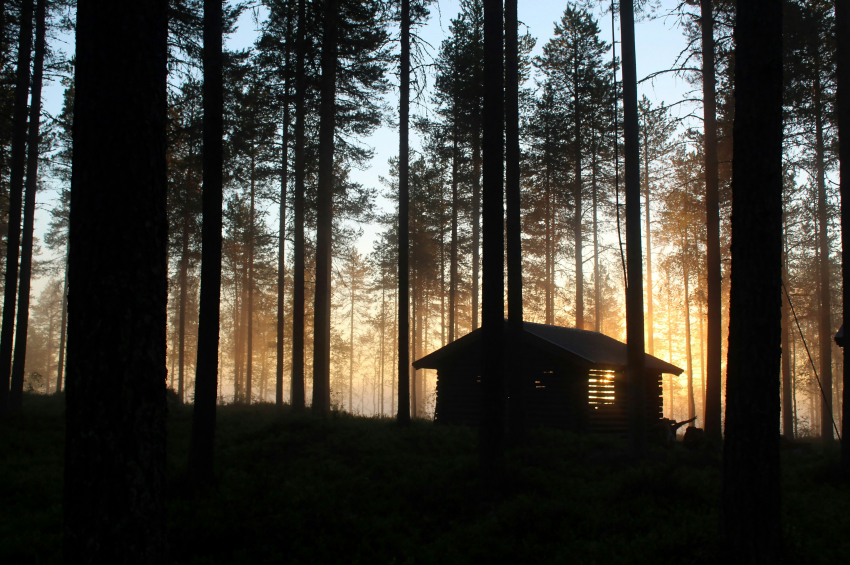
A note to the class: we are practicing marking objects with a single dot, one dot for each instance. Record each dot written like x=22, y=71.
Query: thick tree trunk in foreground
x=403, y=224
x=634, y=257
x=298, y=395
x=713, y=427
x=16, y=194
x=513, y=222
x=206, y=369
x=324, y=216
x=19, y=360
x=494, y=394
x=842, y=33
x=751, y=522
x=114, y=503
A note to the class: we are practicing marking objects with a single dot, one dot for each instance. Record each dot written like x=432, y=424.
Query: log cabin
x=572, y=379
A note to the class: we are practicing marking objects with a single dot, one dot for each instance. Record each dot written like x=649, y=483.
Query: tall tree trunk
x=650, y=322
x=513, y=223
x=114, y=507
x=16, y=194
x=351, y=353
x=549, y=249
x=634, y=291
x=383, y=329
x=324, y=215
x=842, y=34
x=597, y=288
x=577, y=202
x=688, y=356
x=494, y=394
x=298, y=396
x=404, y=222
x=713, y=426
x=414, y=404
x=16, y=396
x=453, y=248
x=249, y=371
x=476, y=223
x=63, y=330
x=787, y=390
x=281, y=249
x=825, y=323
x=181, y=320
x=751, y=513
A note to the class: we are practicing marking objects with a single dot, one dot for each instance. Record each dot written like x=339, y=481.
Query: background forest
x=572, y=198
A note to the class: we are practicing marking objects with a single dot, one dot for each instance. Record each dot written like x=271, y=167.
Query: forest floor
x=360, y=490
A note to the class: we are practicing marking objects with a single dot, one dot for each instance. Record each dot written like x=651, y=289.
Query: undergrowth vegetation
x=360, y=490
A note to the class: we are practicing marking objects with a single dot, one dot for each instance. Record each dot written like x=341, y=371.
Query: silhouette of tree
x=115, y=415
x=751, y=495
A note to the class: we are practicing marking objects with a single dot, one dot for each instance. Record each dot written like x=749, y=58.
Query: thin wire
x=823, y=393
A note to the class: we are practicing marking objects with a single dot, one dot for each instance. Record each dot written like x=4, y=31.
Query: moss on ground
x=360, y=490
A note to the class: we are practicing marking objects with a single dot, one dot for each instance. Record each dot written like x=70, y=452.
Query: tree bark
x=634, y=291
x=842, y=34
x=298, y=395
x=324, y=215
x=63, y=331
x=181, y=320
x=281, y=251
x=713, y=426
x=513, y=223
x=249, y=369
x=403, y=223
x=16, y=190
x=688, y=357
x=476, y=223
x=650, y=322
x=494, y=393
x=20, y=354
x=751, y=514
x=825, y=332
x=114, y=496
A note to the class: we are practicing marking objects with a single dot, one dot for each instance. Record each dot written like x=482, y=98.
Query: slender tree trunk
x=16, y=191
x=597, y=288
x=63, y=333
x=249, y=371
x=351, y=356
x=476, y=223
x=689, y=358
x=413, y=335
x=825, y=331
x=787, y=394
x=453, y=248
x=494, y=393
x=403, y=223
x=550, y=251
x=650, y=322
x=634, y=291
x=114, y=507
x=751, y=510
x=298, y=396
x=577, y=200
x=281, y=250
x=22, y=325
x=49, y=353
x=713, y=427
x=842, y=34
x=383, y=329
x=324, y=216
x=181, y=320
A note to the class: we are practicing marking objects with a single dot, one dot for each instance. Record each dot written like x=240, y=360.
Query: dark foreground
x=360, y=490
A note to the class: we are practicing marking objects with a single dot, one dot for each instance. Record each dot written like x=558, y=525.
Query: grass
x=360, y=490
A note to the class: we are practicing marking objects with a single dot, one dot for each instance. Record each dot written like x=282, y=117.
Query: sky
x=658, y=42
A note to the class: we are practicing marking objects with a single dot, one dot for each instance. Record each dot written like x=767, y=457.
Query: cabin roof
x=580, y=346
